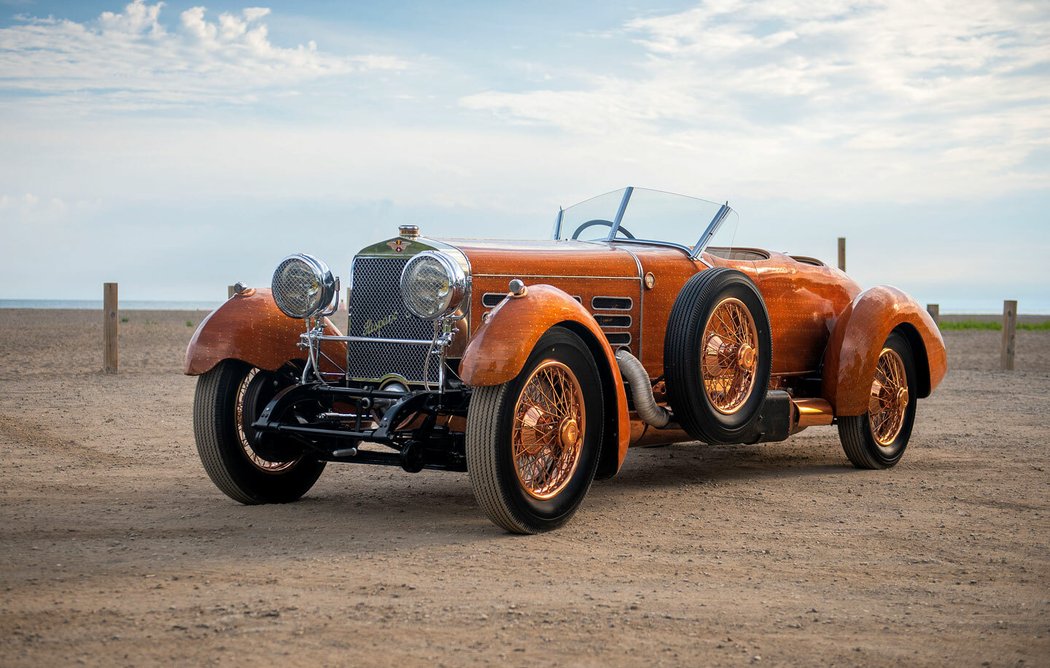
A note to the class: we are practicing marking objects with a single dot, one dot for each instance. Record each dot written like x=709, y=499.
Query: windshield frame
x=694, y=251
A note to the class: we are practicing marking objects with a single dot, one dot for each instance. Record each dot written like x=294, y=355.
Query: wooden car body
x=617, y=295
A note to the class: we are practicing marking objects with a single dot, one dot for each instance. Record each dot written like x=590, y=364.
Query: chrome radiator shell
x=377, y=311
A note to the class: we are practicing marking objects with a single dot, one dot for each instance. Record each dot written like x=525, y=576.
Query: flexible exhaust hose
x=641, y=390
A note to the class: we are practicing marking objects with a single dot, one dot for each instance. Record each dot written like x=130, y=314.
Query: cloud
x=863, y=97
x=31, y=212
x=132, y=59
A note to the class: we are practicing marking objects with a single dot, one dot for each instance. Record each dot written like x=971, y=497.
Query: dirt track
x=115, y=548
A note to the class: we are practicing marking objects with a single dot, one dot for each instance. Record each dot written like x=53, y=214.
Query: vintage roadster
x=534, y=366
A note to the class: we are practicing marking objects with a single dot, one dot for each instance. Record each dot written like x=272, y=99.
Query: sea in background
x=947, y=307
x=96, y=304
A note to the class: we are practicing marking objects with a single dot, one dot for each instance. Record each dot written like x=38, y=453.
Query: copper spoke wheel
x=228, y=399
x=877, y=438
x=243, y=416
x=549, y=423
x=533, y=443
x=889, y=397
x=729, y=356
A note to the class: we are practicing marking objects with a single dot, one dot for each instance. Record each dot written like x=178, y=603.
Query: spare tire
x=718, y=353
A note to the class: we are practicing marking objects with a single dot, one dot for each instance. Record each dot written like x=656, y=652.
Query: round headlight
x=303, y=286
x=432, y=285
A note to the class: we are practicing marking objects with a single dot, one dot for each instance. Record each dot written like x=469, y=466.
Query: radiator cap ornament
x=408, y=231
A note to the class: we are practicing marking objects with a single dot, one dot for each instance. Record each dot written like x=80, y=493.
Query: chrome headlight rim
x=325, y=287
x=443, y=305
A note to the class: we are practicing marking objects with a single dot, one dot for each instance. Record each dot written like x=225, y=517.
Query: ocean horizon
x=947, y=308
x=125, y=304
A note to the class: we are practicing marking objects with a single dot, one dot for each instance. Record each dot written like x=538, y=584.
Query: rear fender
x=249, y=327
x=857, y=339
x=498, y=350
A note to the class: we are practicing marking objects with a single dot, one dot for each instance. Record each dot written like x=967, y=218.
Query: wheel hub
x=730, y=356
x=550, y=420
x=888, y=401
x=569, y=433
x=746, y=357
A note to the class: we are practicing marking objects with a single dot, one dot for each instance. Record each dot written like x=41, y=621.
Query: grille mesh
x=377, y=311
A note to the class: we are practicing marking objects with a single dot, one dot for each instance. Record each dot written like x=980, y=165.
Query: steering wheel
x=600, y=221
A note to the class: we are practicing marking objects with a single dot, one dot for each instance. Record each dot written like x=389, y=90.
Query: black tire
x=683, y=344
x=855, y=431
x=494, y=476
x=219, y=429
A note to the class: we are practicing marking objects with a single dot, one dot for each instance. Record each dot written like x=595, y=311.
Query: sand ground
x=115, y=548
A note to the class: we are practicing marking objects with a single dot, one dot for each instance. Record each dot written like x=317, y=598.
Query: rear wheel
x=877, y=439
x=532, y=443
x=228, y=399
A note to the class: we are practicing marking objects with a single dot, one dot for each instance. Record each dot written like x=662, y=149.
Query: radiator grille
x=377, y=311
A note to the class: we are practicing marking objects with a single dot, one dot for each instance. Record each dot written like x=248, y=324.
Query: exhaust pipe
x=641, y=390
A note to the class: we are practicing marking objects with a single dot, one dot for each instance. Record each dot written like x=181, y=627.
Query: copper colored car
x=535, y=365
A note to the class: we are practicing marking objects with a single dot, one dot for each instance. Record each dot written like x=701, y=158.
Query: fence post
x=1006, y=358
x=110, y=327
x=842, y=253
x=935, y=312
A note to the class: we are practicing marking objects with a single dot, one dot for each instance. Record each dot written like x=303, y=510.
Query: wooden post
x=935, y=312
x=842, y=253
x=231, y=290
x=1006, y=358
x=110, y=327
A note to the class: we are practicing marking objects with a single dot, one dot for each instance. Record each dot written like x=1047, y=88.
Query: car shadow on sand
x=396, y=508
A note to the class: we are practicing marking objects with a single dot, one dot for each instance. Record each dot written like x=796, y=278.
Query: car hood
x=540, y=259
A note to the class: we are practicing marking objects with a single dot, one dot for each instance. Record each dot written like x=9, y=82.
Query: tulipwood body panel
x=249, y=327
x=500, y=347
x=860, y=332
x=803, y=298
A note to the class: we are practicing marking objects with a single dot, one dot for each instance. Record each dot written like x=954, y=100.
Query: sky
x=177, y=148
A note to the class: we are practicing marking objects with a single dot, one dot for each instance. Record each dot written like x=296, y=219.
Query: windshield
x=643, y=215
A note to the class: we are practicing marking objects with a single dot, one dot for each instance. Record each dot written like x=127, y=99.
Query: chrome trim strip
x=611, y=278
x=641, y=298
x=369, y=339
x=648, y=242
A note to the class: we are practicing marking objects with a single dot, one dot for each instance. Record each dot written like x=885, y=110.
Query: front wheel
x=877, y=439
x=532, y=443
x=229, y=398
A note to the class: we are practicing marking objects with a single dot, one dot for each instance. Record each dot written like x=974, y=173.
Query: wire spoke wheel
x=877, y=439
x=718, y=355
x=729, y=355
x=533, y=443
x=888, y=401
x=549, y=423
x=246, y=409
x=228, y=399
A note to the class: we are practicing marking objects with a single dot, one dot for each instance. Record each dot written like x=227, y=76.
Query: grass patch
x=189, y=323
x=994, y=325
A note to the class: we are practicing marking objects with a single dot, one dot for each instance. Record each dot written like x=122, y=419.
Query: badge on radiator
x=398, y=245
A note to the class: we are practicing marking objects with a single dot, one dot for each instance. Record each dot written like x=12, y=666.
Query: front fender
x=498, y=350
x=249, y=327
x=857, y=339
